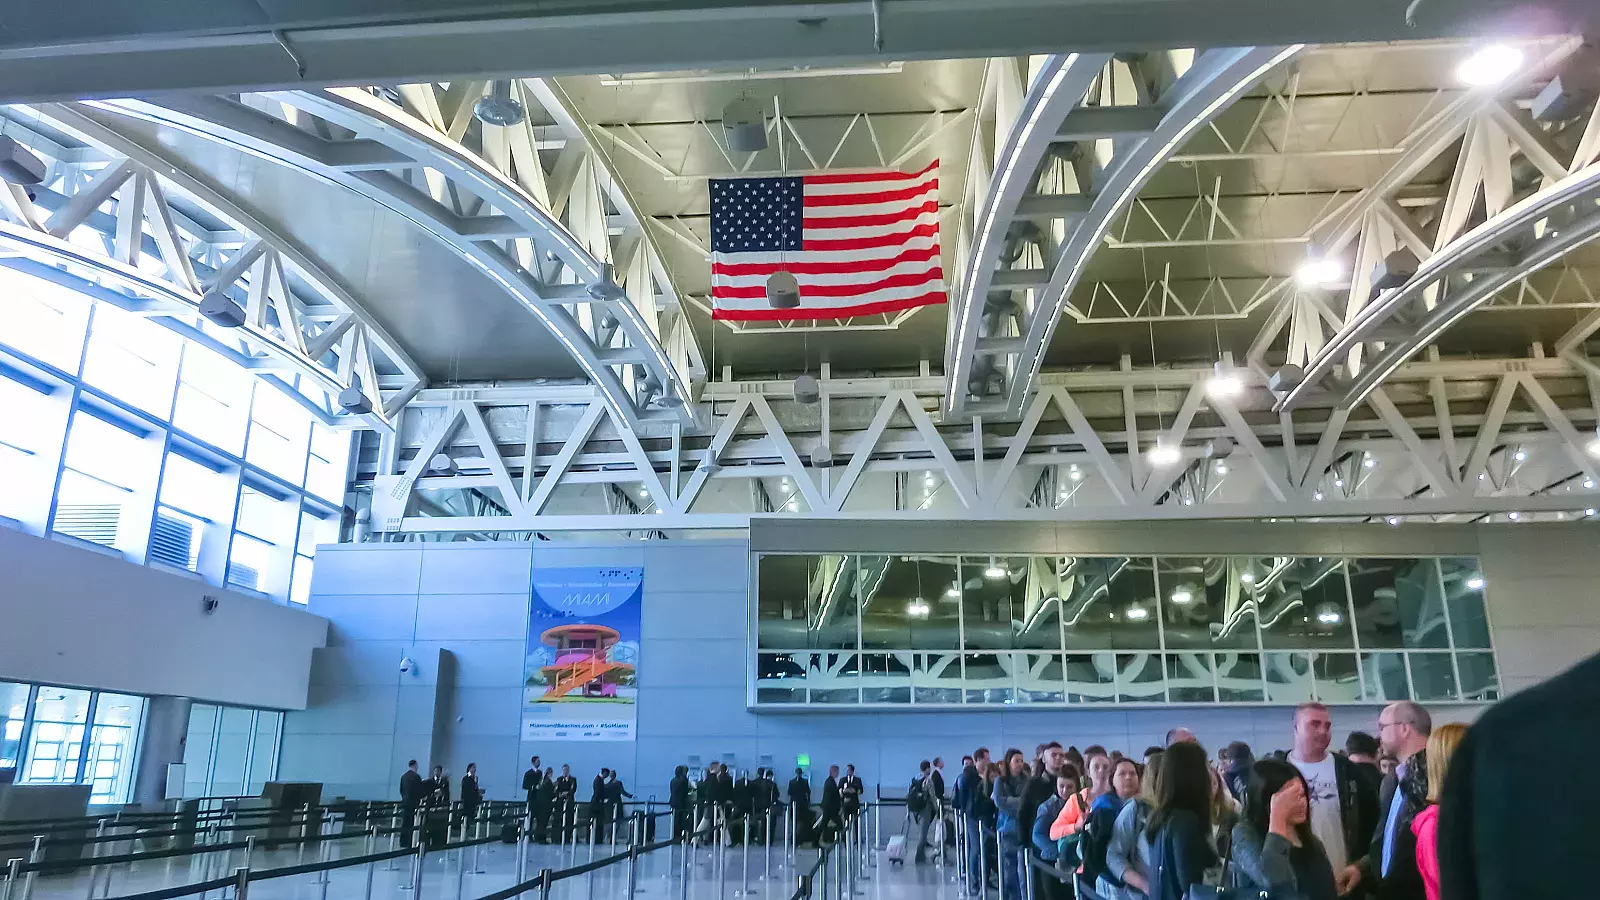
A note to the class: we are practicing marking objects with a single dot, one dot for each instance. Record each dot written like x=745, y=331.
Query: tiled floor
x=768, y=876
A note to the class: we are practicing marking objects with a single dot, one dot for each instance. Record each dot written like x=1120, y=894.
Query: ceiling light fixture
x=1137, y=613
x=1224, y=381
x=1475, y=583
x=1589, y=512
x=1181, y=596
x=1394, y=520
x=498, y=107
x=1222, y=468
x=994, y=570
x=1329, y=617
x=1588, y=484
x=1520, y=455
x=1321, y=271
x=1593, y=449
x=1247, y=578
x=917, y=608
x=1317, y=496
x=954, y=591
x=1489, y=65
x=1075, y=473
x=1371, y=462
x=1163, y=453
x=1513, y=516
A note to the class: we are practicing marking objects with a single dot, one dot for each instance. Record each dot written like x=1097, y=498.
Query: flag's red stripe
x=912, y=254
x=909, y=193
x=856, y=177
x=892, y=239
x=757, y=291
x=889, y=218
x=932, y=298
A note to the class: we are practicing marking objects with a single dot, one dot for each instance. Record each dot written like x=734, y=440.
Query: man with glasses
x=1390, y=869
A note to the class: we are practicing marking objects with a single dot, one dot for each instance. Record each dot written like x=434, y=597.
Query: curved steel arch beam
x=1215, y=79
x=387, y=138
x=1578, y=192
x=1057, y=89
x=335, y=343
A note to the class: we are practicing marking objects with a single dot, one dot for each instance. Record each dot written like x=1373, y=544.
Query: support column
x=166, y=724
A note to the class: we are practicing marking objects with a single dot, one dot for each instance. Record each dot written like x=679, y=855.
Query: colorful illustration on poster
x=580, y=675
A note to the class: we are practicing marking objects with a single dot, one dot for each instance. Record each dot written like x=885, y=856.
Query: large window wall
x=896, y=630
x=56, y=735
x=120, y=432
x=230, y=751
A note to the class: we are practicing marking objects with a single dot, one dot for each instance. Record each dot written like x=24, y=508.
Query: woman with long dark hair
x=1274, y=851
x=1007, y=796
x=1180, y=825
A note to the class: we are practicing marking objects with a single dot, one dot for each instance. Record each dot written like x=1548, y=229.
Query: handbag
x=938, y=830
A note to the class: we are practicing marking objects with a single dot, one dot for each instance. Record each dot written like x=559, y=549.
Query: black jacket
x=830, y=795
x=800, y=793
x=1038, y=789
x=1403, y=882
x=566, y=788
x=530, y=780
x=938, y=787
x=471, y=794
x=1359, y=810
x=615, y=792
x=1180, y=854
x=851, y=791
x=1499, y=837
x=678, y=792
x=724, y=787
x=544, y=796
x=413, y=789
x=597, y=790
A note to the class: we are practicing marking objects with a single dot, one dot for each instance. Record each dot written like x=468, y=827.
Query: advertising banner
x=581, y=671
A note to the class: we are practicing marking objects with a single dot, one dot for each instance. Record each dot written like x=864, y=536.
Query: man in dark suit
x=566, y=803
x=1389, y=871
x=851, y=791
x=678, y=798
x=832, y=823
x=530, y=786
x=800, y=802
x=599, y=825
x=1500, y=838
x=413, y=790
x=937, y=782
x=614, y=794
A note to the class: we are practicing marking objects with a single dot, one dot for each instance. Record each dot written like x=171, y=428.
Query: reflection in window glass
x=994, y=594
x=1288, y=677
x=784, y=583
x=1239, y=678
x=133, y=359
x=911, y=606
x=885, y=678
x=1303, y=604
x=1337, y=677
x=1479, y=681
x=42, y=319
x=781, y=677
x=213, y=399
x=1190, y=678
x=834, y=678
x=55, y=744
x=1397, y=603
x=1139, y=678
x=280, y=430
x=1091, y=677
x=113, y=745
x=13, y=716
x=1463, y=590
x=1433, y=676
x=1039, y=678
x=936, y=678
x=1208, y=602
x=988, y=677
x=1385, y=679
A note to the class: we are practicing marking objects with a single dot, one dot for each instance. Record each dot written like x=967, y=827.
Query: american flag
x=858, y=243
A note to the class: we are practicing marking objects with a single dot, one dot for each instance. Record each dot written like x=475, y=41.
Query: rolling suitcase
x=510, y=831
x=896, y=851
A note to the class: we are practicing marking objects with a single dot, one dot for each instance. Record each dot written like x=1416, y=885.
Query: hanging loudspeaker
x=744, y=125
x=807, y=389
x=783, y=291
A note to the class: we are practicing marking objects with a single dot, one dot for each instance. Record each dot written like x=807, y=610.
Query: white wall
x=73, y=616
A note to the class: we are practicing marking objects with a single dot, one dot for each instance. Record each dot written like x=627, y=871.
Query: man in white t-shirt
x=1343, y=812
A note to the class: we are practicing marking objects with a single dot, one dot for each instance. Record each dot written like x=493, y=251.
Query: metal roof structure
x=1126, y=228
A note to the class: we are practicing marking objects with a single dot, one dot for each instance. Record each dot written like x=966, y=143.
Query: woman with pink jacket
x=1441, y=745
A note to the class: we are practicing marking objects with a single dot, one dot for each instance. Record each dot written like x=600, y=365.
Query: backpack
x=1092, y=846
x=917, y=797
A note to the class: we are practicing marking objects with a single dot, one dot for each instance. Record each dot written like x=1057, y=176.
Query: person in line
x=1179, y=828
x=1124, y=786
x=1389, y=870
x=439, y=788
x=800, y=801
x=1386, y=766
x=921, y=807
x=767, y=803
x=599, y=827
x=1224, y=814
x=1066, y=784
x=471, y=795
x=1075, y=812
x=1151, y=753
x=1344, y=811
x=1128, y=862
x=566, y=804
x=544, y=803
x=1236, y=760
x=530, y=783
x=615, y=791
x=832, y=825
x=851, y=790
x=1362, y=751
x=1275, y=852
x=1041, y=785
x=1007, y=797
x=1442, y=746
x=1181, y=735
x=678, y=800
x=705, y=799
x=938, y=782
x=413, y=792
x=977, y=814
x=1096, y=834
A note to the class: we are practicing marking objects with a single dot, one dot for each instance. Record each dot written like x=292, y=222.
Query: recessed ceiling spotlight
x=1137, y=613
x=994, y=571
x=1222, y=468
x=1182, y=597
x=1224, y=381
x=1338, y=482
x=1371, y=462
x=1589, y=512
x=1163, y=454
x=1513, y=516
x=1247, y=577
x=1317, y=496
x=1319, y=272
x=1394, y=520
x=1588, y=484
x=1489, y=65
x=1520, y=455
x=1075, y=473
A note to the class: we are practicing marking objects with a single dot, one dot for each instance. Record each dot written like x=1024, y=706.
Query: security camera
x=208, y=604
x=407, y=665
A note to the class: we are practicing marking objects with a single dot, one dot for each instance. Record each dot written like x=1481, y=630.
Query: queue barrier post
x=35, y=855
x=241, y=883
x=372, y=841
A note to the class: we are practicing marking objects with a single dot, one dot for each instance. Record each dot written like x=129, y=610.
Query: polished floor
x=715, y=874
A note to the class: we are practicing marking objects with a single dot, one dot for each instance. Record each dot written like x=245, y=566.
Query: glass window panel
x=42, y=319
x=1091, y=677
x=1385, y=677
x=59, y=717
x=911, y=607
x=1480, y=680
x=196, y=489
x=1239, y=678
x=133, y=359
x=1190, y=678
x=213, y=399
x=197, y=749
x=993, y=600
x=1207, y=602
x=1039, y=678
x=1302, y=604
x=1337, y=678
x=248, y=558
x=988, y=677
x=833, y=599
x=233, y=747
x=885, y=678
x=834, y=678
x=1397, y=604
x=90, y=509
x=100, y=449
x=300, y=586
x=314, y=530
x=264, y=753
x=280, y=429
x=781, y=677
x=264, y=540
x=1288, y=677
x=325, y=468
x=783, y=587
x=1463, y=591
x=31, y=428
x=13, y=715
x=1433, y=676
x=936, y=678
x=1139, y=678
x=1111, y=604
x=113, y=746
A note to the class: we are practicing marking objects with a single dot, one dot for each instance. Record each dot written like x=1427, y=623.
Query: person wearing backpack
x=1046, y=888
x=921, y=808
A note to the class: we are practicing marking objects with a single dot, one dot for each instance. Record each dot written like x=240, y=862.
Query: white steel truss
x=106, y=213
x=542, y=235
x=1441, y=441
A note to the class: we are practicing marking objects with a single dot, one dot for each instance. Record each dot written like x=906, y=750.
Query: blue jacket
x=1042, y=820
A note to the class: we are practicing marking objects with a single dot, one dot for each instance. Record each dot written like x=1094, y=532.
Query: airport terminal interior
x=693, y=449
